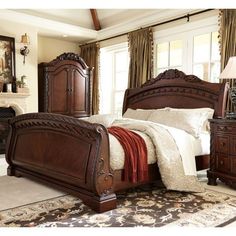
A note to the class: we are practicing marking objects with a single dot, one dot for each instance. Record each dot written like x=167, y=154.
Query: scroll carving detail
x=69, y=56
x=68, y=124
x=172, y=74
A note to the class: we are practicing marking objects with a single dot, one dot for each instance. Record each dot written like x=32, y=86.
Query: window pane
x=215, y=72
x=162, y=54
x=160, y=70
x=121, y=80
x=105, y=82
x=215, y=53
x=201, y=48
x=198, y=70
x=176, y=67
x=119, y=96
x=176, y=48
x=201, y=71
x=121, y=61
x=113, y=77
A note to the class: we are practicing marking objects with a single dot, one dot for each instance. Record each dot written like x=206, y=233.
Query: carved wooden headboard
x=173, y=88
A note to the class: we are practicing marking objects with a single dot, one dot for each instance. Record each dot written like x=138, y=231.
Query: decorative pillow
x=186, y=119
x=104, y=119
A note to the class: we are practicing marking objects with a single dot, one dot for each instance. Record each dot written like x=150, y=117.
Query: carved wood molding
x=212, y=151
x=105, y=179
x=69, y=56
x=65, y=124
x=188, y=92
x=172, y=74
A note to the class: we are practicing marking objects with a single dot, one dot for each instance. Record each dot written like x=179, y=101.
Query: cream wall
x=49, y=48
x=30, y=67
x=42, y=49
x=113, y=41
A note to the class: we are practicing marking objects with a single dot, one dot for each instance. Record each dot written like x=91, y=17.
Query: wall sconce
x=25, y=50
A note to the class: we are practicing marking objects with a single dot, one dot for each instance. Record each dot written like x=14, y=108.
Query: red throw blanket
x=135, y=166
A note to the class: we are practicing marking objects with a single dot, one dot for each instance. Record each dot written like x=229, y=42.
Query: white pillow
x=188, y=120
x=209, y=111
x=104, y=119
x=139, y=114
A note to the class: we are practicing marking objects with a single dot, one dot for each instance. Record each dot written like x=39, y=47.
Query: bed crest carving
x=176, y=90
x=172, y=74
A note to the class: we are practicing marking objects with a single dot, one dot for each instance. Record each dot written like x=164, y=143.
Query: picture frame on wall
x=7, y=61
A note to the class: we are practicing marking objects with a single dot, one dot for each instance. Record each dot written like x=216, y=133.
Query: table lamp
x=229, y=72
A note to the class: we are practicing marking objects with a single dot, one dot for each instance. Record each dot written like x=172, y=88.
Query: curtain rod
x=154, y=25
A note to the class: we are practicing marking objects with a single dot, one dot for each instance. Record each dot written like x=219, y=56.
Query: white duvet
x=172, y=149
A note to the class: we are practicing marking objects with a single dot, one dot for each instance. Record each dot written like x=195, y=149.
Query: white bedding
x=174, y=151
x=200, y=146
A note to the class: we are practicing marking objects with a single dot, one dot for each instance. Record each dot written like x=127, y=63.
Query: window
x=114, y=63
x=169, y=55
x=206, y=57
x=192, y=47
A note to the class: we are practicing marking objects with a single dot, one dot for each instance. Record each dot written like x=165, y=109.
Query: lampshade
x=25, y=39
x=229, y=71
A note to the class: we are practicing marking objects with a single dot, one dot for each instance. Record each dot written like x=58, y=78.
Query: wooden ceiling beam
x=96, y=22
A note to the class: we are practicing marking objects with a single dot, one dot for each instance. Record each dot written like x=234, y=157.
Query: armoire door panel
x=79, y=92
x=58, y=92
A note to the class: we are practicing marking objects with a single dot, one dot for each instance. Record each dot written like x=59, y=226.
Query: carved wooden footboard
x=63, y=151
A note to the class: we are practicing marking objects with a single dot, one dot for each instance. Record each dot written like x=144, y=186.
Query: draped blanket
x=168, y=156
x=135, y=166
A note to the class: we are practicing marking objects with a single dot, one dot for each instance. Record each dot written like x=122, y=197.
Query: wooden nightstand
x=223, y=152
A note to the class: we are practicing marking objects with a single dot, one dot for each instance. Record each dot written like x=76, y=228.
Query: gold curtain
x=141, y=57
x=227, y=40
x=90, y=54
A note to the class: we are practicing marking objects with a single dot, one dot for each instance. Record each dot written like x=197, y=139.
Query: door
x=58, y=91
x=80, y=93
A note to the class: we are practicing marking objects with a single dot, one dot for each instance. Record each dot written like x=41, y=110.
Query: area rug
x=141, y=207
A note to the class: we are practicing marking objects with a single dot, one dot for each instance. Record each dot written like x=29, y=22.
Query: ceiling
x=77, y=24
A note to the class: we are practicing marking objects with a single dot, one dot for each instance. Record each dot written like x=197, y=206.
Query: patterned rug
x=140, y=207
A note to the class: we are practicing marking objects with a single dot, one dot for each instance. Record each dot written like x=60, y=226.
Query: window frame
x=186, y=32
x=113, y=50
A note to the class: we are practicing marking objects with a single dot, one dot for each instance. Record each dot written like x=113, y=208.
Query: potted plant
x=20, y=84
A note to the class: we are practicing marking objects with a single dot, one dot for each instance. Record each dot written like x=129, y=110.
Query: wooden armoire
x=64, y=86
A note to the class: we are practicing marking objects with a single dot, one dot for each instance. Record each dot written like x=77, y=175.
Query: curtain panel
x=141, y=57
x=90, y=54
x=227, y=41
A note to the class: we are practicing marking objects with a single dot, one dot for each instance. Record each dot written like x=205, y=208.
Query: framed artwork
x=7, y=59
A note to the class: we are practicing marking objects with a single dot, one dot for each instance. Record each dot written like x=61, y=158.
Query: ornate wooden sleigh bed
x=73, y=154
